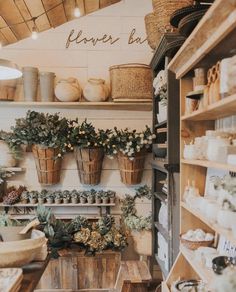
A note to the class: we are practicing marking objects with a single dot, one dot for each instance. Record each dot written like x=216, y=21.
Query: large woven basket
x=163, y=10
x=131, y=81
x=48, y=164
x=193, y=245
x=131, y=171
x=152, y=31
x=89, y=164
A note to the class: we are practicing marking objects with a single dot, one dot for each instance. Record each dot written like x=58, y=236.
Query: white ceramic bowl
x=22, y=252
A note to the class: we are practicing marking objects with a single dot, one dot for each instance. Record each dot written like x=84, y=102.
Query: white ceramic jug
x=68, y=90
x=96, y=90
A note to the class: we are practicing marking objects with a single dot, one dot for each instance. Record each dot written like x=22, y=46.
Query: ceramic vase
x=47, y=86
x=96, y=90
x=30, y=81
x=6, y=158
x=68, y=90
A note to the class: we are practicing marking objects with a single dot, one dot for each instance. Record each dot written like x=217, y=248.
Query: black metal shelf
x=160, y=125
x=162, y=230
x=161, y=196
x=159, y=164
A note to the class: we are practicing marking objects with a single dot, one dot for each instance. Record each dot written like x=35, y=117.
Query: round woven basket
x=89, y=164
x=163, y=9
x=153, y=34
x=131, y=171
x=193, y=245
x=48, y=164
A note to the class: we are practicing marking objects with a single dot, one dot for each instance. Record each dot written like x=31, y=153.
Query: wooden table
x=32, y=274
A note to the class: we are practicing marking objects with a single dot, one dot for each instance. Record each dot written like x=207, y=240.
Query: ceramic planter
x=98, y=201
x=142, y=242
x=66, y=201
x=96, y=90
x=83, y=200
x=33, y=200
x=6, y=158
x=50, y=200
x=41, y=201
x=68, y=90
x=74, y=200
x=112, y=200
x=58, y=201
x=90, y=200
x=105, y=200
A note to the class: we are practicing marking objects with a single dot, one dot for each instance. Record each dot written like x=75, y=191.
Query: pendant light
x=77, y=12
x=34, y=34
x=9, y=70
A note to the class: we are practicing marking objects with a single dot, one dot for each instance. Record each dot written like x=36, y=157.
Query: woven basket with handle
x=131, y=81
x=164, y=8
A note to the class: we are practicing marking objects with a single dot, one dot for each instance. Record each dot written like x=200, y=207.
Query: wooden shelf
x=209, y=164
x=207, y=275
x=161, y=265
x=134, y=106
x=217, y=110
x=13, y=169
x=162, y=230
x=210, y=41
x=58, y=216
x=219, y=230
x=161, y=196
x=59, y=205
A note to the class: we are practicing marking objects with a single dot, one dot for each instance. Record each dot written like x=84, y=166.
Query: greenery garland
x=129, y=212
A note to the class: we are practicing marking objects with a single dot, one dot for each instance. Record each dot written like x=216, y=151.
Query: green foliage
x=14, y=145
x=6, y=220
x=105, y=224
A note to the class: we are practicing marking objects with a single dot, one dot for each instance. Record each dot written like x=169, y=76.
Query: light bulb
x=77, y=12
x=0, y=45
x=34, y=35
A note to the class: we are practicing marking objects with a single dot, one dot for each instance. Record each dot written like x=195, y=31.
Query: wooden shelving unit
x=210, y=42
x=110, y=105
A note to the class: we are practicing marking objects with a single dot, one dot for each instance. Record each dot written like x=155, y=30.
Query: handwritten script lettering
x=109, y=39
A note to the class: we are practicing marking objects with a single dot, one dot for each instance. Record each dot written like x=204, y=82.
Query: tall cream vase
x=30, y=81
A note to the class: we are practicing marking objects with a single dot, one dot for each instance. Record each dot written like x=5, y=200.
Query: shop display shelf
x=159, y=164
x=209, y=164
x=161, y=196
x=59, y=205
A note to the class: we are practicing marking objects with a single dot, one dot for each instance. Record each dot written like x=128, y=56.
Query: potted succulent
x=74, y=197
x=105, y=197
x=50, y=197
x=25, y=197
x=33, y=197
x=112, y=196
x=89, y=147
x=98, y=197
x=58, y=197
x=42, y=196
x=131, y=147
x=49, y=136
x=91, y=196
x=66, y=197
x=83, y=197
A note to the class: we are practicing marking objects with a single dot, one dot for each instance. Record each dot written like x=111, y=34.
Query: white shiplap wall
x=83, y=61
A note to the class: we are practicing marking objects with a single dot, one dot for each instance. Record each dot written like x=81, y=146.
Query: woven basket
x=89, y=164
x=7, y=89
x=152, y=31
x=131, y=81
x=48, y=164
x=193, y=245
x=163, y=10
x=131, y=171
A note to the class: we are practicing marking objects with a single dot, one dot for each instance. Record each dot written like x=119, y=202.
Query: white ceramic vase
x=68, y=90
x=142, y=242
x=6, y=157
x=96, y=90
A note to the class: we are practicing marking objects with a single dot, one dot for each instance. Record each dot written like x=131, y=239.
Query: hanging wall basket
x=48, y=164
x=89, y=164
x=131, y=171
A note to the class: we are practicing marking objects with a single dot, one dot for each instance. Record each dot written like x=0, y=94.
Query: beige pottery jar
x=96, y=90
x=68, y=90
x=6, y=157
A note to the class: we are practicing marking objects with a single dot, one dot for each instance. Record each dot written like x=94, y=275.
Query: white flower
x=110, y=135
x=69, y=145
x=150, y=138
x=130, y=137
x=114, y=151
x=113, y=146
x=145, y=142
x=65, y=144
x=88, y=143
x=59, y=154
x=130, y=143
x=72, y=148
x=141, y=135
x=149, y=142
x=153, y=136
x=95, y=144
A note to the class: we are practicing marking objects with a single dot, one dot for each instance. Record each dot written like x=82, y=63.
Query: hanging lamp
x=9, y=70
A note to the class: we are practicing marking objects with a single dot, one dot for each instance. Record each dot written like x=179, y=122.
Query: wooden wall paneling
x=25, y=13
x=105, y=3
x=7, y=32
x=36, y=8
x=91, y=6
x=11, y=15
x=56, y=15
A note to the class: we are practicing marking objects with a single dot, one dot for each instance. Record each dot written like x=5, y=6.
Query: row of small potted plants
x=66, y=197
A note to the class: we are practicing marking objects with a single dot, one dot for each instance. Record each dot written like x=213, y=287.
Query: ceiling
x=16, y=15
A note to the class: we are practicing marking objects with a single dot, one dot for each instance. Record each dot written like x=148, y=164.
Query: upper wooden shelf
x=210, y=164
x=205, y=46
x=131, y=106
x=220, y=109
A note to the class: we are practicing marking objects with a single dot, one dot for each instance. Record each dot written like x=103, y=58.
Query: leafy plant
x=4, y=174
x=14, y=147
x=48, y=130
x=74, y=194
x=66, y=194
x=6, y=220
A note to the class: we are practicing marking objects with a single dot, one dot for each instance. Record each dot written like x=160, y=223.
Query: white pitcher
x=96, y=90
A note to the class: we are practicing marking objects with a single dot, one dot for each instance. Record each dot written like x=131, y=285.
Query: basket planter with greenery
x=49, y=136
x=139, y=226
x=131, y=147
x=89, y=152
x=75, y=197
x=57, y=197
x=66, y=196
x=33, y=197
x=50, y=198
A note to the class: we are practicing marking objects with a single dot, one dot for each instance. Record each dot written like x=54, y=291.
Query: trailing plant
x=129, y=142
x=47, y=130
x=129, y=213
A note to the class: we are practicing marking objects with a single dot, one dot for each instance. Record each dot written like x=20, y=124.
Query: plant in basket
x=50, y=197
x=66, y=196
x=74, y=197
x=91, y=196
x=98, y=197
x=49, y=136
x=33, y=197
x=57, y=197
x=83, y=197
x=131, y=147
x=89, y=151
x=42, y=196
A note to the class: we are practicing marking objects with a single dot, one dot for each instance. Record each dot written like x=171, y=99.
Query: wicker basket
x=164, y=8
x=131, y=171
x=89, y=164
x=131, y=81
x=48, y=164
x=152, y=31
x=193, y=245
x=7, y=89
